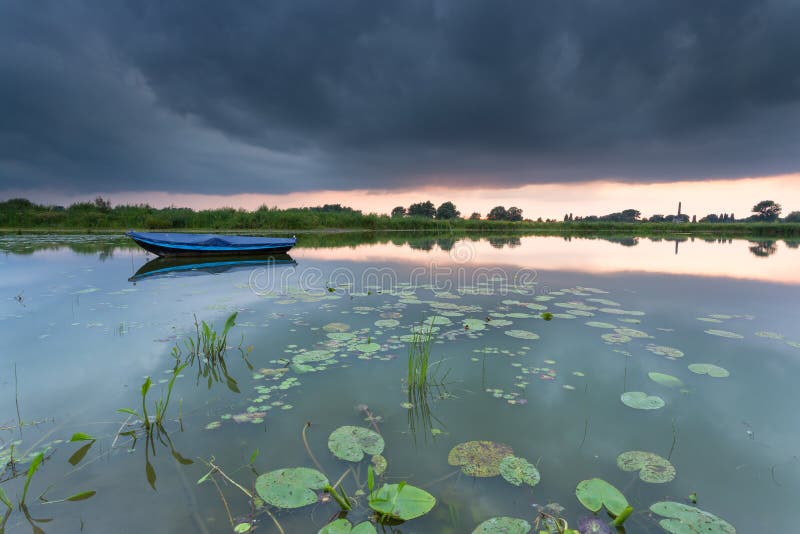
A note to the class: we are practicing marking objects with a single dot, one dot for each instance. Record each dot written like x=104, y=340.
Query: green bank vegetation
x=100, y=215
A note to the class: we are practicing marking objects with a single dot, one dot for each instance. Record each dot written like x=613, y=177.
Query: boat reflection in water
x=200, y=265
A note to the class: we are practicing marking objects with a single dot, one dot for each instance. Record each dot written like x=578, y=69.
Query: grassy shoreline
x=641, y=229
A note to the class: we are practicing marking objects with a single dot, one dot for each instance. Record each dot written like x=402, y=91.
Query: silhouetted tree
x=475, y=216
x=514, y=214
x=498, y=213
x=767, y=210
x=792, y=217
x=102, y=204
x=447, y=211
x=763, y=249
x=422, y=209
x=657, y=218
x=399, y=211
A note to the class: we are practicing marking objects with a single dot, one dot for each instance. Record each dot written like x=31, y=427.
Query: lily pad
x=368, y=347
x=599, y=324
x=630, y=332
x=521, y=334
x=666, y=380
x=379, y=464
x=709, y=369
x=343, y=526
x=351, y=442
x=401, y=501
x=593, y=525
x=596, y=493
x=479, y=458
x=387, y=323
x=668, y=352
x=336, y=327
x=518, y=471
x=685, y=519
x=474, y=324
x=652, y=467
x=291, y=487
x=341, y=336
x=313, y=356
x=615, y=338
x=503, y=525
x=724, y=333
x=641, y=400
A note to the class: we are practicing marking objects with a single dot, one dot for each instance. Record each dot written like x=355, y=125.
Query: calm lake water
x=82, y=331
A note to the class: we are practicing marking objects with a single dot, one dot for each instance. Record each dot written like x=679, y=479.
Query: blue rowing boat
x=174, y=244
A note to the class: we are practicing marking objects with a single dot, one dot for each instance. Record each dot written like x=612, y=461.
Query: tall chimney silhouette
x=679, y=209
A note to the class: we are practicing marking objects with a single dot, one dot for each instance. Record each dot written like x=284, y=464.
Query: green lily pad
x=596, y=493
x=401, y=501
x=641, y=400
x=313, y=356
x=770, y=335
x=518, y=471
x=630, y=332
x=724, y=333
x=351, y=442
x=666, y=380
x=668, y=352
x=341, y=336
x=685, y=519
x=474, y=324
x=615, y=338
x=368, y=347
x=343, y=526
x=709, y=369
x=503, y=525
x=521, y=334
x=387, y=323
x=599, y=324
x=336, y=327
x=379, y=464
x=291, y=487
x=652, y=467
x=479, y=458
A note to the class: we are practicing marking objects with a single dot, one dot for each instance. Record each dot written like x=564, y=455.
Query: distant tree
x=566, y=217
x=694, y=218
x=399, y=211
x=733, y=218
x=631, y=215
x=658, y=218
x=571, y=218
x=514, y=214
x=102, y=204
x=792, y=217
x=767, y=210
x=498, y=213
x=422, y=209
x=475, y=216
x=710, y=218
x=447, y=211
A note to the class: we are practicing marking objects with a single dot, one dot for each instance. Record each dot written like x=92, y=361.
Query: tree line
x=447, y=210
x=764, y=211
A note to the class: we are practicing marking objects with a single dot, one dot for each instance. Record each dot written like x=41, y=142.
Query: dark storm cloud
x=275, y=96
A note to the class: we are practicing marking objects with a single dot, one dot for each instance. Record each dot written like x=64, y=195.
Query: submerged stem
x=308, y=449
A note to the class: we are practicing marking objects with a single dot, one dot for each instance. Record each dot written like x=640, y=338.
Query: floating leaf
x=379, y=463
x=503, y=525
x=368, y=347
x=336, y=327
x=290, y=487
x=80, y=436
x=630, y=332
x=642, y=401
x=661, y=350
x=724, y=333
x=770, y=335
x=665, y=380
x=709, y=369
x=652, y=467
x=596, y=493
x=312, y=356
x=518, y=471
x=521, y=334
x=479, y=458
x=599, y=324
x=474, y=324
x=615, y=338
x=351, y=442
x=82, y=496
x=341, y=336
x=387, y=323
x=343, y=526
x=685, y=519
x=593, y=525
x=241, y=528
x=401, y=501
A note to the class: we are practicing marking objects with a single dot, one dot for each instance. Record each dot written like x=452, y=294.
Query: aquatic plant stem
x=224, y=501
x=16, y=399
x=116, y=436
x=620, y=519
x=308, y=449
x=229, y=479
x=441, y=479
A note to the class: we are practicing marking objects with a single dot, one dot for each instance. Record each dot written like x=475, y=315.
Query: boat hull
x=218, y=247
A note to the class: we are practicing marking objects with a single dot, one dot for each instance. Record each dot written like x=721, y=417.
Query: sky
x=581, y=106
